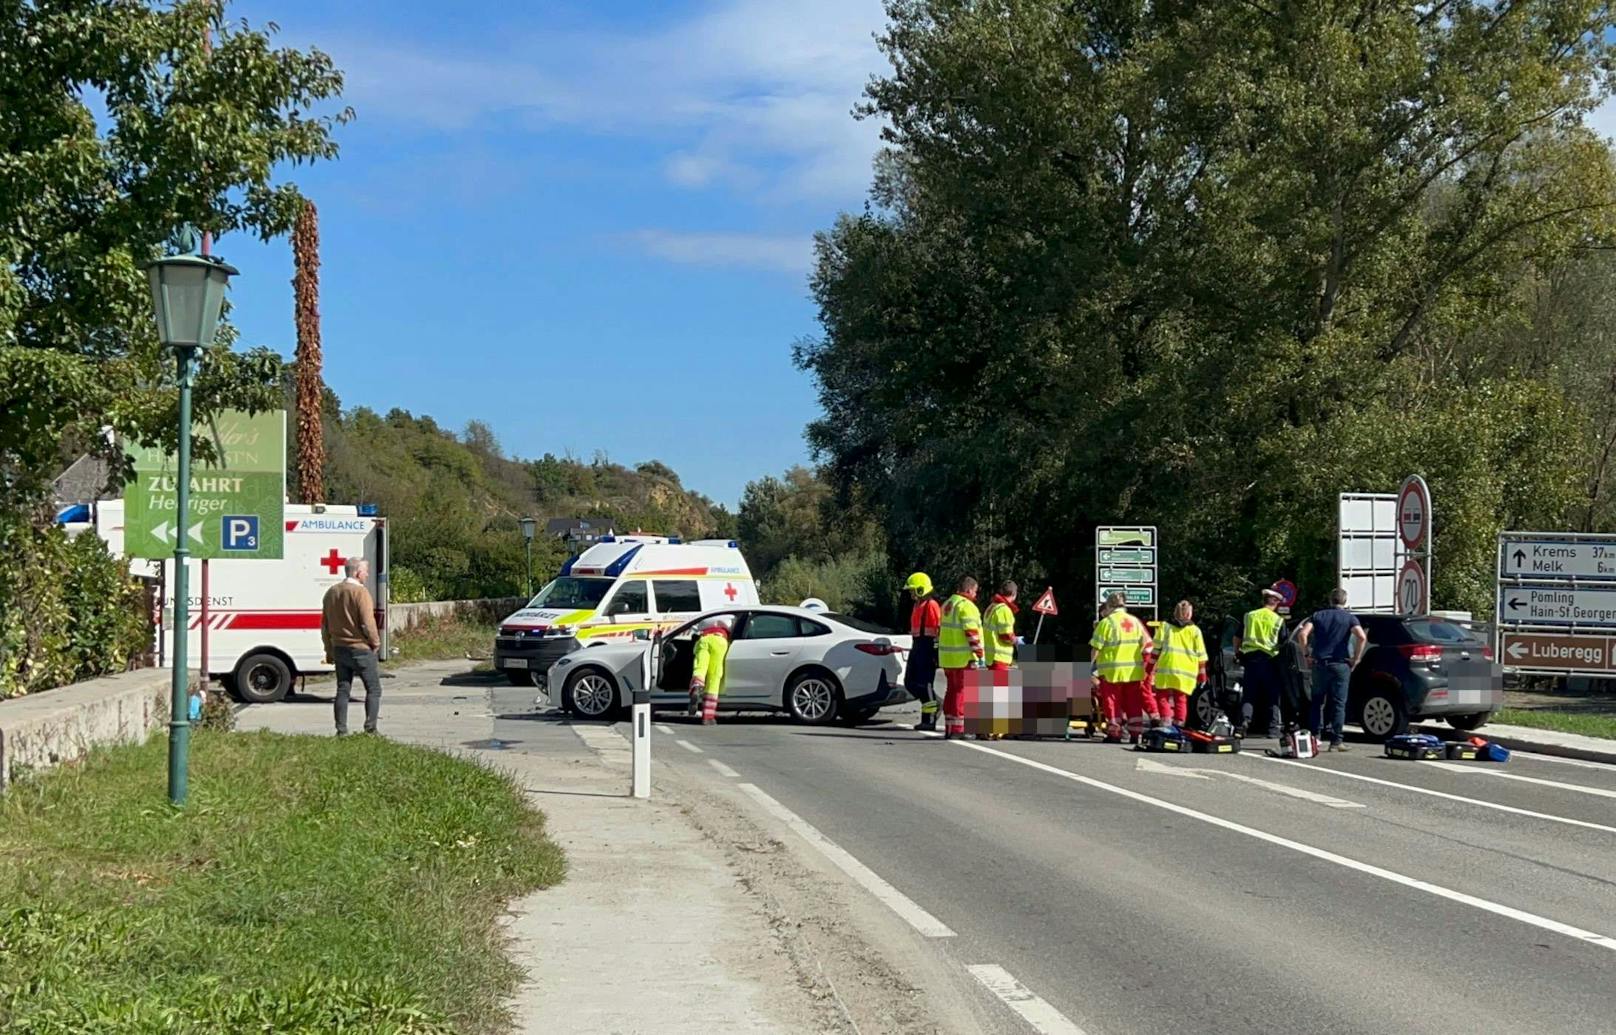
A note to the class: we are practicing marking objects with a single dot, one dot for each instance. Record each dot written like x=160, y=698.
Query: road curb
x=1527, y=743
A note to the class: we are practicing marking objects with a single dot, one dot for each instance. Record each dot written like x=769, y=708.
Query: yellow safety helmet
x=920, y=582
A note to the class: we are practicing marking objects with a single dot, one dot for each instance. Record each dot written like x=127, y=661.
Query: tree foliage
x=310, y=469
x=1204, y=266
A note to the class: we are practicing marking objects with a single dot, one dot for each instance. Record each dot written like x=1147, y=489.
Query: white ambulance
x=263, y=617
x=621, y=587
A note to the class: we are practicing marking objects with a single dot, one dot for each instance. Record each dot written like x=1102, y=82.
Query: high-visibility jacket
x=1120, y=641
x=927, y=618
x=999, y=632
x=1180, y=657
x=1261, y=631
x=708, y=666
x=960, y=638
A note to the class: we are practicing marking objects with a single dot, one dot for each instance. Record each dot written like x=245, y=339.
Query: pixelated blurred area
x=1036, y=699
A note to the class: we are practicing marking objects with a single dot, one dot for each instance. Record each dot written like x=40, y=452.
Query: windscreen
x=572, y=593
x=1436, y=630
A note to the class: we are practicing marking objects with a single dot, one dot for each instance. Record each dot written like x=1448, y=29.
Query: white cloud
x=781, y=253
x=1603, y=118
x=750, y=94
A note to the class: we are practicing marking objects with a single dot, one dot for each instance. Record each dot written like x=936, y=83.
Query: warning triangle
x=1045, y=605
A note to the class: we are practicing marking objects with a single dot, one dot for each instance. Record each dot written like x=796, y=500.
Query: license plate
x=513, y=663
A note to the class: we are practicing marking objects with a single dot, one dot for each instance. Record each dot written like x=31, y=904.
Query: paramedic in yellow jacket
x=1180, y=664
x=707, y=667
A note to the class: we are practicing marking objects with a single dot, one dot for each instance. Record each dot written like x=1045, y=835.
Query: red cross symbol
x=1127, y=625
x=729, y=591
x=332, y=561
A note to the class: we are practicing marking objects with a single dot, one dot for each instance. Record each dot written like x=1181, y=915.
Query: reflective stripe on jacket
x=999, y=630
x=926, y=617
x=1180, y=657
x=1120, y=641
x=960, y=638
x=1261, y=631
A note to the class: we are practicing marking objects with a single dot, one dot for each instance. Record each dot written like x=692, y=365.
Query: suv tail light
x=1425, y=652
x=879, y=649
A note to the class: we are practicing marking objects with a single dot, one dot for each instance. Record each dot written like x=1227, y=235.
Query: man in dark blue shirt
x=1335, y=641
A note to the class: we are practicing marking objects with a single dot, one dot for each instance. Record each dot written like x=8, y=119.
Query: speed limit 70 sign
x=1411, y=589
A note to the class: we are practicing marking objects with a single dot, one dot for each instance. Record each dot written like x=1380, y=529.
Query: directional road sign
x=1136, y=596
x=1129, y=555
x=1559, y=652
x=1125, y=535
x=1129, y=575
x=1586, y=557
x=237, y=508
x=1125, y=561
x=1556, y=605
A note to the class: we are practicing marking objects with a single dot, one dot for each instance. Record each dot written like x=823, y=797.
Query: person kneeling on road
x=707, y=668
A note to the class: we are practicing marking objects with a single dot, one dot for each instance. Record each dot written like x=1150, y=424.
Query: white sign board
x=1558, y=605
x=1369, y=551
x=1558, y=559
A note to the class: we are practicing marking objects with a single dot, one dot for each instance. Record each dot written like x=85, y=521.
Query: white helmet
x=814, y=604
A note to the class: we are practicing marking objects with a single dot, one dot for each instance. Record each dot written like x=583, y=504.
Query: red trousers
x=999, y=666
x=1141, y=705
x=1108, y=703
x=954, y=700
x=1174, y=705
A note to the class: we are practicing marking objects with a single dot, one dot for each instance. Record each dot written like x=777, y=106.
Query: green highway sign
x=1119, y=536
x=1145, y=576
x=1132, y=556
x=237, y=509
x=1137, y=596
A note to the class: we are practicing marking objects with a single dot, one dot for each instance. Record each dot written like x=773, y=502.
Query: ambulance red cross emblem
x=729, y=591
x=332, y=561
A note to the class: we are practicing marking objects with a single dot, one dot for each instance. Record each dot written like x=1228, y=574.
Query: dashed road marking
x=1044, y=1018
x=1543, y=922
x=664, y=727
x=1577, y=787
x=865, y=877
x=723, y=770
x=688, y=746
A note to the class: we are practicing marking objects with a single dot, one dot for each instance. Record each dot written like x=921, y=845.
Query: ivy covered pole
x=187, y=294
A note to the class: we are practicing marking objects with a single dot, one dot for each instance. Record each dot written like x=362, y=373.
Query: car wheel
x=1469, y=722
x=1204, y=707
x=589, y=693
x=813, y=697
x=263, y=679
x=1384, y=715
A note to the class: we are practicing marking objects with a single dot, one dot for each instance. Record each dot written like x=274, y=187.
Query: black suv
x=1416, y=667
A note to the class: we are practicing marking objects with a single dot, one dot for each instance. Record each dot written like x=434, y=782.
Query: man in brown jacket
x=348, y=627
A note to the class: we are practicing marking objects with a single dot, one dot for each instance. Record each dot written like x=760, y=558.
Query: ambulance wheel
x=1383, y=714
x=589, y=693
x=813, y=697
x=263, y=679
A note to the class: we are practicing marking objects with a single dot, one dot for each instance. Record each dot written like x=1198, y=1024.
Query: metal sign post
x=1556, y=603
x=1125, y=562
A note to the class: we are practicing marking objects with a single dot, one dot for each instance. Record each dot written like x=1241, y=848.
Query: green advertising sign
x=237, y=508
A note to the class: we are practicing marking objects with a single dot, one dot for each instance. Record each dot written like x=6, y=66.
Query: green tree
x=1202, y=266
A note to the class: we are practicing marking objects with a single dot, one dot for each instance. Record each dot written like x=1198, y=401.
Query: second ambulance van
x=621, y=586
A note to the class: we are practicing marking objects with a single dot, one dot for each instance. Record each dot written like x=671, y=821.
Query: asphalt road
x=1129, y=892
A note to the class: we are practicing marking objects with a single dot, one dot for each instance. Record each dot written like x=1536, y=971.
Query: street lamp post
x=528, y=524
x=187, y=295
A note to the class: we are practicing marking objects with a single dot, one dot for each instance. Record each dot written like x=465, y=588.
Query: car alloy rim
x=1204, y=709
x=813, y=698
x=1378, y=716
x=592, y=694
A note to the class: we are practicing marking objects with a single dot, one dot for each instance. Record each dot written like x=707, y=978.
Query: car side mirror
x=642, y=634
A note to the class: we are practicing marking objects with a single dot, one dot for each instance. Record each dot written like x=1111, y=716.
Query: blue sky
x=588, y=224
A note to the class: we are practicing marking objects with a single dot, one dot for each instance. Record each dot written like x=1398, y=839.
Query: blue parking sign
x=239, y=531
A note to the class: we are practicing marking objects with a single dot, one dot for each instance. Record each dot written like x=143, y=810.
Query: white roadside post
x=642, y=724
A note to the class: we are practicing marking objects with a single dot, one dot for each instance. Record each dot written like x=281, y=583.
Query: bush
x=68, y=610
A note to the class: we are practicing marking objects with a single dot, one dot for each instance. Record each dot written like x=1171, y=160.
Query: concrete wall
x=62, y=725
x=401, y=617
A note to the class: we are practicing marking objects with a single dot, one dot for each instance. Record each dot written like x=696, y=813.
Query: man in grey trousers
x=348, y=627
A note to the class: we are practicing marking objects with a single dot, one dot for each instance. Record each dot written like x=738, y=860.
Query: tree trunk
x=306, y=290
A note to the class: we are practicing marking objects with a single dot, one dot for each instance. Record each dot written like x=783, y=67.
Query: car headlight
x=559, y=630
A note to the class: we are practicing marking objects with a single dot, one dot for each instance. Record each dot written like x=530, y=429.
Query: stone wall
x=62, y=725
x=401, y=617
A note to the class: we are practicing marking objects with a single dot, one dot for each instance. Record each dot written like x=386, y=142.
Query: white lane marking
x=1580, y=763
x=688, y=746
x=1455, y=767
x=1146, y=765
x=865, y=877
x=1591, y=937
x=723, y=770
x=664, y=727
x=1044, y=1018
x=1442, y=794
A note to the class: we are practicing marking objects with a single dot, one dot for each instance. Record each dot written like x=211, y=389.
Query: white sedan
x=814, y=665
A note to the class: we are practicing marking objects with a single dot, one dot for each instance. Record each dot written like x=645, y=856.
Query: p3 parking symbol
x=239, y=531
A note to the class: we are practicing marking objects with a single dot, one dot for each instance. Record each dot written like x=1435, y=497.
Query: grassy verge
x=442, y=638
x=312, y=885
x=1564, y=722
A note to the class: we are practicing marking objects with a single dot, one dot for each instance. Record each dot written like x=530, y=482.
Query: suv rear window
x=1437, y=630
